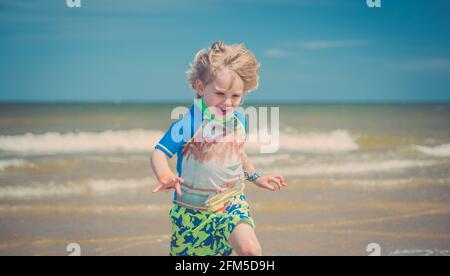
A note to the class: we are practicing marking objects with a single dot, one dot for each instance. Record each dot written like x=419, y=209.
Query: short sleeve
x=172, y=141
x=179, y=133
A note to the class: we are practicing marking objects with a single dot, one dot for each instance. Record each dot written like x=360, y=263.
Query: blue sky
x=310, y=50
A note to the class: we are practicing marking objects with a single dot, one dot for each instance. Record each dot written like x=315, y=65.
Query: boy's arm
x=268, y=182
x=160, y=163
x=247, y=164
x=166, y=178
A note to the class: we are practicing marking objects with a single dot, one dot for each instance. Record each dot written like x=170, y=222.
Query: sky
x=309, y=50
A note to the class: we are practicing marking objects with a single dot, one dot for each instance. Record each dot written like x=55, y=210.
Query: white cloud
x=276, y=53
x=329, y=44
x=291, y=48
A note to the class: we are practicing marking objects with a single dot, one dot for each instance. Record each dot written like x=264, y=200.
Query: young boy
x=210, y=214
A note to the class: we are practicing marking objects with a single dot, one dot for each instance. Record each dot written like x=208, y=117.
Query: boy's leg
x=244, y=242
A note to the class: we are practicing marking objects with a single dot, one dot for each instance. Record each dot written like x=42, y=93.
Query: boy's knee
x=251, y=249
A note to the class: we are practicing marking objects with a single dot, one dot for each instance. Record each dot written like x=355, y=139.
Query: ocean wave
x=352, y=168
x=420, y=252
x=269, y=159
x=136, y=140
x=82, y=209
x=315, y=142
x=336, y=141
x=437, y=151
x=92, y=187
x=390, y=183
x=13, y=163
x=139, y=140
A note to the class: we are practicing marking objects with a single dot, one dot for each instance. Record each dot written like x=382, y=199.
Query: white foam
x=315, y=142
x=351, y=168
x=126, y=159
x=136, y=140
x=437, y=151
x=93, y=187
x=336, y=141
x=83, y=209
x=139, y=140
x=383, y=183
x=420, y=252
x=269, y=159
x=113, y=185
x=14, y=163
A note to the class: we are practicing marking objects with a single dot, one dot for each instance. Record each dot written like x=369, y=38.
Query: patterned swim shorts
x=206, y=233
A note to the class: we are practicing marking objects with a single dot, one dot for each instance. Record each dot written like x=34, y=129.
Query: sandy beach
x=320, y=220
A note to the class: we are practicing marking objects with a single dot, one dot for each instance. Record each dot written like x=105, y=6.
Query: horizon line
x=169, y=102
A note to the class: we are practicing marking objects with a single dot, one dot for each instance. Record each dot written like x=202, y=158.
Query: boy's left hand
x=271, y=183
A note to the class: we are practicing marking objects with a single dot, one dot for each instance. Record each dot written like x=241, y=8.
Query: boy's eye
x=236, y=96
x=220, y=93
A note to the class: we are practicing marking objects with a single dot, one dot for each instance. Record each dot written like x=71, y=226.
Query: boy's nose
x=228, y=102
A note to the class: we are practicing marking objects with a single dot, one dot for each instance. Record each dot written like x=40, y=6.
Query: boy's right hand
x=167, y=182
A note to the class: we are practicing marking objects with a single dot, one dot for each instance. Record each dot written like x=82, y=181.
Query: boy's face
x=224, y=94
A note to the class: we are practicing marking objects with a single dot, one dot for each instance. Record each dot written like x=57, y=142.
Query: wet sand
x=308, y=218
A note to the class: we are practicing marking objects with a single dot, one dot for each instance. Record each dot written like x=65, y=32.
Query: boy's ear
x=199, y=87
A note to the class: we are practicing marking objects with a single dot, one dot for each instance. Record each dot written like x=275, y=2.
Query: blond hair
x=208, y=62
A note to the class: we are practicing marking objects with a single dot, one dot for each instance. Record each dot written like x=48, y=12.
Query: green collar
x=206, y=113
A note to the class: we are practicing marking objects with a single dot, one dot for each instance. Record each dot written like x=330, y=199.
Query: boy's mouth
x=223, y=111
